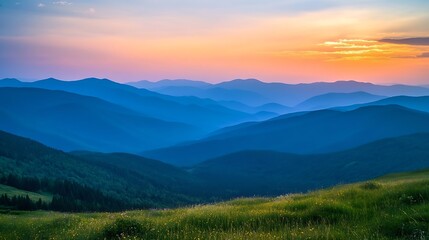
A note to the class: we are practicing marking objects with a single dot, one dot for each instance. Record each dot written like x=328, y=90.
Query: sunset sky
x=274, y=40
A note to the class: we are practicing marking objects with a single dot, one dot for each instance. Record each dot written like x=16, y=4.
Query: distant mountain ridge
x=282, y=93
x=216, y=93
x=169, y=83
x=237, y=100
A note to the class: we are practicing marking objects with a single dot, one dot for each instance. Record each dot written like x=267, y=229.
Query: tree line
x=68, y=196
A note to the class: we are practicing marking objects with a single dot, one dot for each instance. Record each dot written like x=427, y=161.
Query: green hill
x=159, y=185
x=392, y=207
x=268, y=173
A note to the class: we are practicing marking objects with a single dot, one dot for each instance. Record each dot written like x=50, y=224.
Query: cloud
x=62, y=3
x=419, y=41
x=358, y=49
x=359, y=44
x=423, y=55
x=352, y=47
x=40, y=5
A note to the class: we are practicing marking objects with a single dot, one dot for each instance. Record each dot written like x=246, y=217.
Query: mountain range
x=302, y=133
x=102, y=115
x=254, y=92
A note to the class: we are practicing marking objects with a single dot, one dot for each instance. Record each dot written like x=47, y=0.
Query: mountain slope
x=73, y=122
x=252, y=173
x=417, y=103
x=158, y=173
x=330, y=100
x=135, y=180
x=311, y=132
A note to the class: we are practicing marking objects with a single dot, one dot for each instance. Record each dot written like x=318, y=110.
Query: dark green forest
x=67, y=196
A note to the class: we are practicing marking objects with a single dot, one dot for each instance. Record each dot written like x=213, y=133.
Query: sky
x=292, y=41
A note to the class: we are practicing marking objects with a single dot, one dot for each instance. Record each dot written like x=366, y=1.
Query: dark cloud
x=421, y=41
x=424, y=55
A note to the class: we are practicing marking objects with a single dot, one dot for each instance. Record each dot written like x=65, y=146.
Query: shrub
x=122, y=228
x=370, y=186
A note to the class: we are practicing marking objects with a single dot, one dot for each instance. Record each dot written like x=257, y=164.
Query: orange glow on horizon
x=325, y=45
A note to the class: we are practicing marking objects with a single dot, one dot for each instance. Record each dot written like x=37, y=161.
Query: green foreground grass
x=393, y=207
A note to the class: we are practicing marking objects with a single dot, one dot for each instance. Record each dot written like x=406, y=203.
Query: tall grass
x=388, y=208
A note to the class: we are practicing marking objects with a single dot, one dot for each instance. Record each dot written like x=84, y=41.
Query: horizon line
x=207, y=82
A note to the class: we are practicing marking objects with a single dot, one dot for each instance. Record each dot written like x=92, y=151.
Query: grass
x=11, y=191
x=393, y=207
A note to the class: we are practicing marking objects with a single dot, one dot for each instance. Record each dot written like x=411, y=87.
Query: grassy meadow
x=11, y=191
x=392, y=207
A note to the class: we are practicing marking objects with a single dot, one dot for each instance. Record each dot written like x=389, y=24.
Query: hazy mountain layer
x=306, y=132
x=74, y=122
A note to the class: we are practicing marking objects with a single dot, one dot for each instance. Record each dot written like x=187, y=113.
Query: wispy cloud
x=353, y=49
x=357, y=44
x=419, y=41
